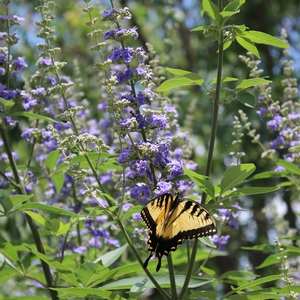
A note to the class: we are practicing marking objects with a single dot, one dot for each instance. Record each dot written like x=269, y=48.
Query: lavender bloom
x=141, y=192
x=229, y=217
x=274, y=124
x=221, y=241
x=18, y=66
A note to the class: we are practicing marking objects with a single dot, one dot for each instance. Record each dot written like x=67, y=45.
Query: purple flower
x=16, y=19
x=163, y=187
x=123, y=157
x=221, y=241
x=143, y=123
x=141, y=192
x=118, y=53
x=109, y=13
x=80, y=249
x=278, y=142
x=176, y=170
x=141, y=167
x=44, y=61
x=140, y=98
x=18, y=65
x=274, y=124
x=109, y=34
x=8, y=121
x=261, y=112
x=158, y=121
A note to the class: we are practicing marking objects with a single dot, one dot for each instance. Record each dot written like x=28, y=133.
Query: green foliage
x=35, y=234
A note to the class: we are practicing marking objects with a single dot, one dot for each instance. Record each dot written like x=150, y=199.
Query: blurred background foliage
x=166, y=26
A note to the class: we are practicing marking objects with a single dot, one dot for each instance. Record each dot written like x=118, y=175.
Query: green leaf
x=27, y=298
x=123, y=271
x=207, y=241
x=174, y=83
x=201, y=28
x=235, y=175
x=247, y=99
x=6, y=104
x=163, y=280
x=37, y=217
x=247, y=44
x=58, y=181
x=64, y=272
x=234, y=5
x=46, y=208
x=288, y=166
x=7, y=272
x=264, y=38
x=33, y=116
x=86, y=293
x=14, y=200
x=257, y=295
x=208, y=271
x=223, y=79
x=8, y=250
x=137, y=289
x=246, y=83
x=254, y=283
x=111, y=256
x=252, y=191
x=238, y=273
x=90, y=272
x=202, y=182
x=212, y=11
x=52, y=160
x=131, y=211
x=187, y=74
x=195, y=294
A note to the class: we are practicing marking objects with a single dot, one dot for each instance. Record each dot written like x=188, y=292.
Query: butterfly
x=171, y=220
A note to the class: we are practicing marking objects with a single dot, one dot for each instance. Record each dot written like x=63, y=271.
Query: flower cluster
x=150, y=149
x=282, y=116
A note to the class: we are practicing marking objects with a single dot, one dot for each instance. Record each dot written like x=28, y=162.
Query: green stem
x=214, y=122
x=133, y=248
x=31, y=223
x=172, y=278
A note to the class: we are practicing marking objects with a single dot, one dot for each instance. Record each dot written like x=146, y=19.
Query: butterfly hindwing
x=171, y=220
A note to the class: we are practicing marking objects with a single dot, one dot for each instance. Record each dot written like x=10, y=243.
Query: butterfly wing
x=155, y=214
x=171, y=221
x=188, y=220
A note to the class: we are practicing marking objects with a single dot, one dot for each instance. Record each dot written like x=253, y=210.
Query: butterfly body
x=171, y=220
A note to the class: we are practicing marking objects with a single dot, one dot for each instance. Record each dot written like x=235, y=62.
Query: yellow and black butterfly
x=170, y=220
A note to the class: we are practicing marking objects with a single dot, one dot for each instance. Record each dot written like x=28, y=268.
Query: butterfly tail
x=147, y=260
x=159, y=256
